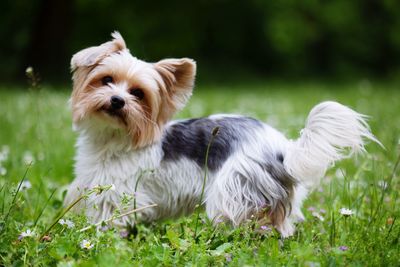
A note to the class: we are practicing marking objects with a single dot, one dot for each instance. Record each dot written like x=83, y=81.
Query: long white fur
x=232, y=194
x=332, y=132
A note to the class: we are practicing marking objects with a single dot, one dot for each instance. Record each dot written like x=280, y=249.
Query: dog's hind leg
x=245, y=186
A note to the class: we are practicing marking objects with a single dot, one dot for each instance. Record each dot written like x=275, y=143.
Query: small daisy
x=29, y=70
x=265, y=228
x=3, y=156
x=311, y=208
x=70, y=224
x=26, y=185
x=4, y=153
x=3, y=171
x=318, y=216
x=85, y=244
x=28, y=158
x=346, y=212
x=27, y=233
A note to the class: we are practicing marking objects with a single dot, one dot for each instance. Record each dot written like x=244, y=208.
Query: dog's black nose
x=117, y=102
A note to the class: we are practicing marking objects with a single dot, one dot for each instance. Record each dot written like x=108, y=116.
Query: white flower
x=3, y=156
x=318, y=216
x=68, y=223
x=346, y=212
x=26, y=185
x=29, y=70
x=3, y=171
x=28, y=158
x=27, y=233
x=4, y=153
x=85, y=244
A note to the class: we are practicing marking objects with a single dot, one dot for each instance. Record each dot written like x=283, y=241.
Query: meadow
x=36, y=164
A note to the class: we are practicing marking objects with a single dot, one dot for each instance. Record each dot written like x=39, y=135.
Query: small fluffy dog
x=122, y=108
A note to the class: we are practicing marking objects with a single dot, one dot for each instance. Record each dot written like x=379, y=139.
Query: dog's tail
x=332, y=132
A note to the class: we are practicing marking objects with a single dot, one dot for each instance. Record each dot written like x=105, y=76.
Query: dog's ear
x=92, y=55
x=178, y=76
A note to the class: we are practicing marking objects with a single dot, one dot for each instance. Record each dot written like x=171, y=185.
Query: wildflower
x=343, y=248
x=26, y=185
x=322, y=211
x=27, y=233
x=28, y=158
x=124, y=234
x=318, y=216
x=70, y=224
x=265, y=228
x=4, y=153
x=101, y=188
x=228, y=257
x=383, y=184
x=3, y=171
x=85, y=244
x=311, y=208
x=346, y=212
x=29, y=71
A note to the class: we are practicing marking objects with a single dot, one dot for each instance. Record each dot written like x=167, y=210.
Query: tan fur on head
x=178, y=76
x=92, y=55
x=167, y=86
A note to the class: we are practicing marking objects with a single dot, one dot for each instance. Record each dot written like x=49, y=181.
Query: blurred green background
x=229, y=39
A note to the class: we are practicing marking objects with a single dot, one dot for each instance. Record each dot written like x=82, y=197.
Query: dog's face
x=123, y=92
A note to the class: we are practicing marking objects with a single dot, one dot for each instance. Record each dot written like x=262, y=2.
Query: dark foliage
x=284, y=37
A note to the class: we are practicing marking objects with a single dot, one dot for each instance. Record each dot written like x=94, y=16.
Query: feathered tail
x=332, y=132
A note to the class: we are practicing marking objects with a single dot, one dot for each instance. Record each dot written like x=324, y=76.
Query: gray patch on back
x=190, y=138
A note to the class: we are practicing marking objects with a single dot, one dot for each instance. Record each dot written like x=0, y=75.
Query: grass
x=36, y=125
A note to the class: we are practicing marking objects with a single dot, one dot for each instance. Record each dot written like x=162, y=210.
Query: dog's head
x=119, y=91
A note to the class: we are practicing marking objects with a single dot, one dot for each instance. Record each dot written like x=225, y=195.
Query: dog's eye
x=138, y=93
x=106, y=80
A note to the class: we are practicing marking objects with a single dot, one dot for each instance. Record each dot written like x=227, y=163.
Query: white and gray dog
x=122, y=108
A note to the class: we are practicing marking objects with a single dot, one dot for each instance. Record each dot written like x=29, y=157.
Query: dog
x=122, y=109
